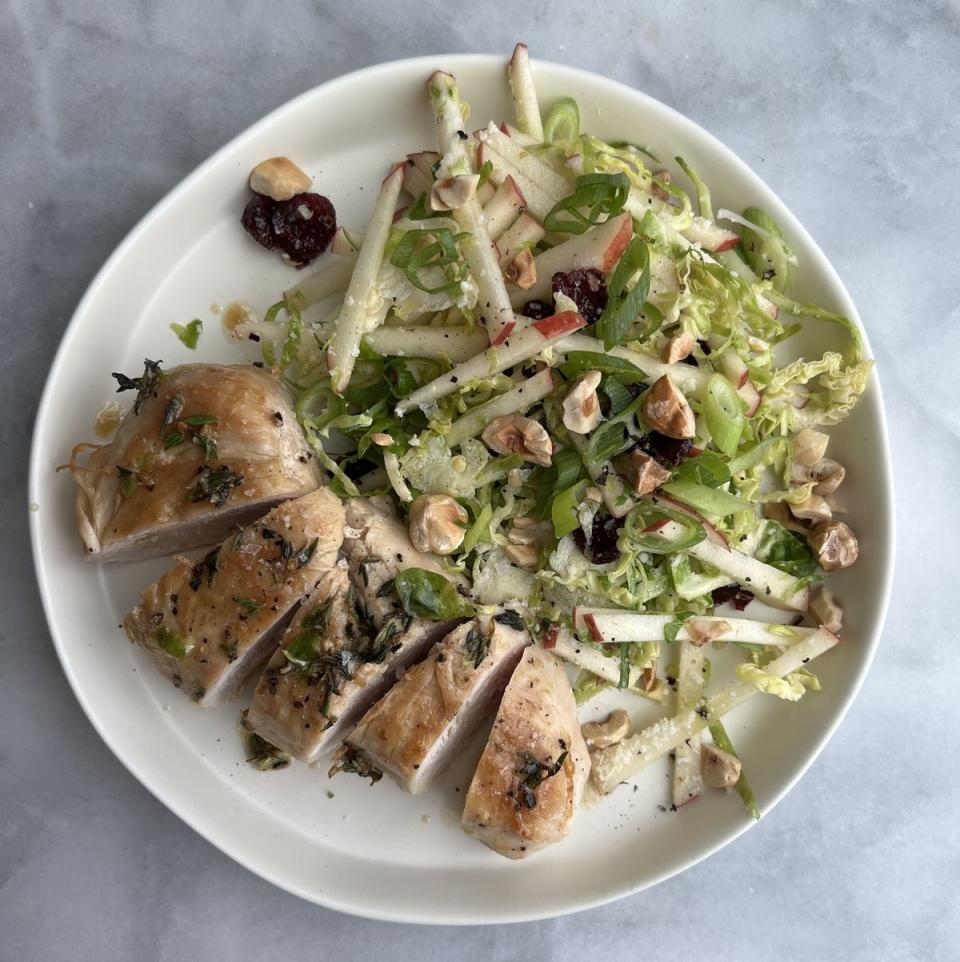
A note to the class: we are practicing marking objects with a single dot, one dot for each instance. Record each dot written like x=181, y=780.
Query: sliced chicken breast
x=205, y=448
x=533, y=770
x=344, y=649
x=209, y=624
x=414, y=731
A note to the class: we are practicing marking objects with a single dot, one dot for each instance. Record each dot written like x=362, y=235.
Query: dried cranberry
x=587, y=287
x=667, y=451
x=603, y=548
x=300, y=228
x=737, y=596
x=538, y=310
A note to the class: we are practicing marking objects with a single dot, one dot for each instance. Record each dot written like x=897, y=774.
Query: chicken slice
x=209, y=624
x=531, y=775
x=211, y=448
x=414, y=731
x=357, y=647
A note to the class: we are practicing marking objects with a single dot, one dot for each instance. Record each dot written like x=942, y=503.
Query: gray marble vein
x=848, y=109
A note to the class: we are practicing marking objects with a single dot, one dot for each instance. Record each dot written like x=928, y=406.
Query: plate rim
x=327, y=899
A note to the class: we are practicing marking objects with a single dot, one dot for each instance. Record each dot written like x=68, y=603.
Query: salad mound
x=561, y=361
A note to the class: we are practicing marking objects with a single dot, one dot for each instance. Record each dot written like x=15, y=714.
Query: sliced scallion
x=601, y=195
x=723, y=414
x=643, y=521
x=562, y=124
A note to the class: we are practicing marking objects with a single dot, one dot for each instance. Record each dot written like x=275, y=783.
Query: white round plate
x=376, y=851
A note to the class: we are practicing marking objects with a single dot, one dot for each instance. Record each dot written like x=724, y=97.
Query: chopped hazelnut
x=813, y=508
x=778, y=511
x=581, y=407
x=437, y=523
x=515, y=434
x=521, y=270
x=825, y=610
x=809, y=446
x=279, y=178
x=666, y=410
x=641, y=472
x=524, y=555
x=614, y=728
x=453, y=192
x=526, y=531
x=720, y=769
x=703, y=630
x=827, y=473
x=677, y=348
x=834, y=544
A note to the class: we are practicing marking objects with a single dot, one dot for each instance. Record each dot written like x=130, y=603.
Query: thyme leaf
x=534, y=773
x=145, y=385
x=172, y=412
x=351, y=760
x=304, y=555
x=214, y=485
x=207, y=443
x=511, y=619
x=207, y=566
x=387, y=588
x=476, y=645
x=258, y=751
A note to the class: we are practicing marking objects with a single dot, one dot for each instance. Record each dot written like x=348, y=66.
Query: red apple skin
x=504, y=129
x=505, y=332
x=593, y=629
x=549, y=639
x=431, y=155
x=516, y=52
x=620, y=241
x=727, y=245
x=734, y=369
x=751, y=397
x=395, y=171
x=559, y=324
x=712, y=532
x=521, y=200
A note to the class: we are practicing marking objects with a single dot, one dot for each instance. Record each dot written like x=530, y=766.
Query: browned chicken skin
x=416, y=728
x=208, y=625
x=345, y=647
x=212, y=447
x=531, y=775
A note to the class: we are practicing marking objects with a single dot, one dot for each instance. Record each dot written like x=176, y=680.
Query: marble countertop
x=848, y=111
